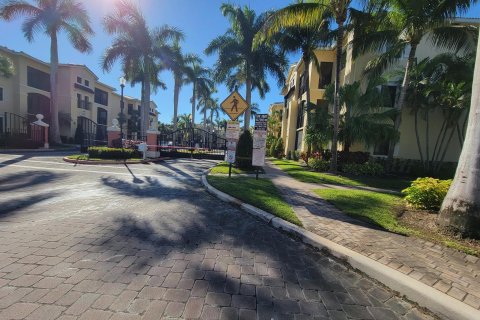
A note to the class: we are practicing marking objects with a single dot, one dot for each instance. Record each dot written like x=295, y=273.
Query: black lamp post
x=123, y=81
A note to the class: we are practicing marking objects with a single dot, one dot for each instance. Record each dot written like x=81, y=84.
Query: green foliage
x=244, y=150
x=289, y=155
x=271, y=140
x=319, y=165
x=427, y=193
x=278, y=152
x=295, y=155
x=112, y=153
x=365, y=169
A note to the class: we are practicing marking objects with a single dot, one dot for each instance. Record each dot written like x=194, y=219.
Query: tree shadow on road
x=13, y=206
x=27, y=179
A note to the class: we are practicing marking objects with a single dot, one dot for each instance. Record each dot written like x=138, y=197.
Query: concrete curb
x=112, y=162
x=422, y=294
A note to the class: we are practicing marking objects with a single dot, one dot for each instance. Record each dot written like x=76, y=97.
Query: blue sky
x=200, y=20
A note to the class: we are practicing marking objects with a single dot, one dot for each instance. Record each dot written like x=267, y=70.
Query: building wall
x=16, y=91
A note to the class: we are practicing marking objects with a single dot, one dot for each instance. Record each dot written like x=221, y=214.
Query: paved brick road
x=147, y=242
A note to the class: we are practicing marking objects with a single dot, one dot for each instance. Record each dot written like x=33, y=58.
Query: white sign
x=233, y=130
x=259, y=139
x=230, y=156
x=231, y=145
x=258, y=157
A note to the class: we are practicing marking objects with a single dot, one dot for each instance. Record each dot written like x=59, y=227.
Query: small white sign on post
x=233, y=130
x=230, y=156
x=259, y=140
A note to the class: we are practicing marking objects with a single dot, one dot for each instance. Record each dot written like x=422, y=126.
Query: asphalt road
x=147, y=242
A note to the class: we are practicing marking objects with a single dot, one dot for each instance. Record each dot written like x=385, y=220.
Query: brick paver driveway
x=147, y=242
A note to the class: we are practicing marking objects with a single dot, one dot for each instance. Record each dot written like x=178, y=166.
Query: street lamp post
x=123, y=81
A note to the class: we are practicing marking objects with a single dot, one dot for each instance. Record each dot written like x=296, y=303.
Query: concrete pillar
x=113, y=133
x=152, y=136
x=45, y=127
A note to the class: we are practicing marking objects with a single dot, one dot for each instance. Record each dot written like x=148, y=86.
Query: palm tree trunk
x=336, y=100
x=306, y=63
x=439, y=164
x=403, y=96
x=54, y=123
x=145, y=104
x=248, y=97
x=176, y=93
x=417, y=136
x=427, y=136
x=461, y=207
x=193, y=104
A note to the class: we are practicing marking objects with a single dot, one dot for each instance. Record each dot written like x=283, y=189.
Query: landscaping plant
x=364, y=169
x=112, y=153
x=427, y=193
x=244, y=150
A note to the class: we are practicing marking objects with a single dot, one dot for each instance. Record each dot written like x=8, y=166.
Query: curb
x=113, y=162
x=416, y=291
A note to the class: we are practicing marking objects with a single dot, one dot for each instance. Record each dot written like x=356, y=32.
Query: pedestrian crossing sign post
x=234, y=105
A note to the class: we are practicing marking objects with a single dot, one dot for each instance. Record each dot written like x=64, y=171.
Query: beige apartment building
x=293, y=111
x=82, y=99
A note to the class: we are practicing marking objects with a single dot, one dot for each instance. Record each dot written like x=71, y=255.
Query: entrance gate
x=191, y=143
x=17, y=132
x=89, y=133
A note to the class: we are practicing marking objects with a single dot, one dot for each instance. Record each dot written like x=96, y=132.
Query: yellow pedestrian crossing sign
x=234, y=105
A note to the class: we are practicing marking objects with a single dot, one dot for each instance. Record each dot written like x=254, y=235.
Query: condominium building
x=294, y=113
x=83, y=100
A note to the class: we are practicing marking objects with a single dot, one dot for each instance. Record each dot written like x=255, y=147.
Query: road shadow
x=13, y=206
x=28, y=179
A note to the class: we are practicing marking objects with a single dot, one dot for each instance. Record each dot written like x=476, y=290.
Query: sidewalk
x=447, y=270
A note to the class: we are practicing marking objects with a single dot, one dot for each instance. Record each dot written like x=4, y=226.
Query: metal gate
x=17, y=132
x=89, y=133
x=191, y=143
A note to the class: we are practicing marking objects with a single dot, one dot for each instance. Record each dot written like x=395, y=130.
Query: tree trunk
x=417, y=136
x=176, y=93
x=427, y=143
x=54, y=123
x=145, y=105
x=403, y=96
x=248, y=96
x=461, y=207
x=435, y=149
x=439, y=164
x=336, y=100
x=193, y=104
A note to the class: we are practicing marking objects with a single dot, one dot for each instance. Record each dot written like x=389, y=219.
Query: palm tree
x=461, y=207
x=52, y=17
x=214, y=111
x=365, y=119
x=400, y=29
x=201, y=82
x=239, y=59
x=180, y=66
x=6, y=67
x=205, y=102
x=141, y=50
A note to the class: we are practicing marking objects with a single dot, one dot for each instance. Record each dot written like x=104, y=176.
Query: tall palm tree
x=214, y=111
x=141, y=50
x=461, y=207
x=201, y=82
x=400, y=28
x=6, y=67
x=237, y=55
x=180, y=66
x=52, y=17
x=311, y=14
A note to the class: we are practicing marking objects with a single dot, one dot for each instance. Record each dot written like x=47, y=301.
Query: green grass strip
x=260, y=193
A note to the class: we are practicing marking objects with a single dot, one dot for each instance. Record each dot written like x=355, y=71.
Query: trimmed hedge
x=427, y=193
x=112, y=153
x=365, y=169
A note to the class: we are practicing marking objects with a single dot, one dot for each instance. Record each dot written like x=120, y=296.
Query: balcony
x=83, y=104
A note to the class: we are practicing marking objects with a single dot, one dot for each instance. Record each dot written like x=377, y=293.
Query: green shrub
x=244, y=151
x=289, y=155
x=279, y=149
x=365, y=169
x=112, y=153
x=427, y=193
x=319, y=165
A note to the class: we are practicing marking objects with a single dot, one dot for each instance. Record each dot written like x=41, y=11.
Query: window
x=38, y=79
x=302, y=88
x=390, y=95
x=325, y=78
x=79, y=80
x=87, y=83
x=301, y=115
x=1, y=94
x=130, y=108
x=79, y=100
x=292, y=83
x=101, y=97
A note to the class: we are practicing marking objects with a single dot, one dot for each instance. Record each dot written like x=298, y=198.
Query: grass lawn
x=222, y=168
x=294, y=169
x=382, y=210
x=260, y=193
